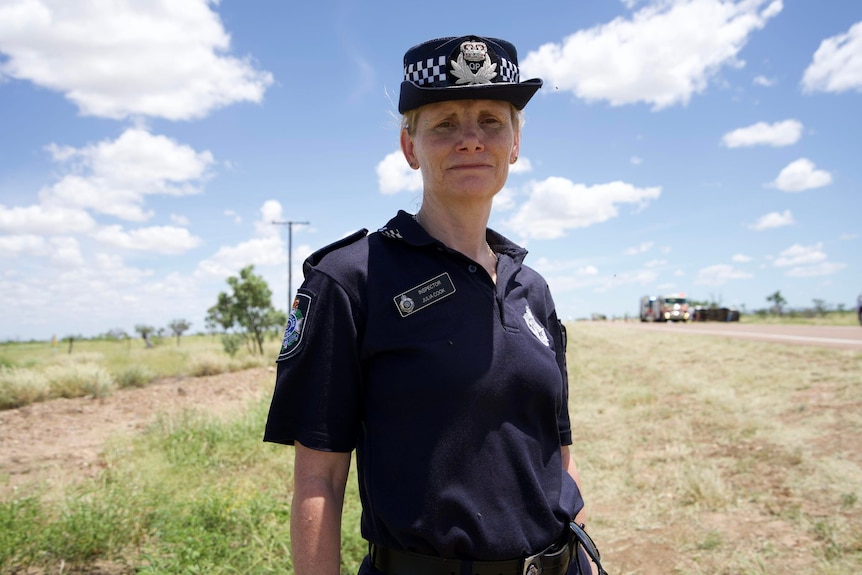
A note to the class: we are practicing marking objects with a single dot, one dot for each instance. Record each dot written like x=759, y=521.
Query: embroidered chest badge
x=423, y=295
x=295, y=326
x=473, y=65
x=536, y=327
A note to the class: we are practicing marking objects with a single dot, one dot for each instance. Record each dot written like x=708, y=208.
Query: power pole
x=289, y=225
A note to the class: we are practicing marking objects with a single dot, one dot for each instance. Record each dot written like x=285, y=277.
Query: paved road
x=844, y=337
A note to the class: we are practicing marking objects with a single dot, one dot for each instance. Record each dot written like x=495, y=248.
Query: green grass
x=32, y=372
x=796, y=318
x=194, y=494
x=697, y=454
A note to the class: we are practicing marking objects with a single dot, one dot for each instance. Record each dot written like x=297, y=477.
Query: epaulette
x=315, y=258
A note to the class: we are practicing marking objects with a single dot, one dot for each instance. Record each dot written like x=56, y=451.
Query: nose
x=470, y=138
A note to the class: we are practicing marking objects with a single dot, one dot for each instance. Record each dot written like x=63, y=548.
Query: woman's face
x=464, y=147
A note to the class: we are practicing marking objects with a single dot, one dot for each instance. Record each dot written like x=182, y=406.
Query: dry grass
x=710, y=455
x=698, y=454
x=32, y=372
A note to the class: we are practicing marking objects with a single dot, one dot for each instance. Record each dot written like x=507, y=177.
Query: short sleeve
x=316, y=398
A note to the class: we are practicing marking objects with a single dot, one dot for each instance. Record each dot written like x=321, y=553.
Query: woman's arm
x=319, y=479
x=572, y=469
x=569, y=465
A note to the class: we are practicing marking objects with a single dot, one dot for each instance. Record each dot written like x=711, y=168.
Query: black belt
x=554, y=560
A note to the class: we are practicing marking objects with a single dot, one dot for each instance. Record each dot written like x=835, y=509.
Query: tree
x=778, y=301
x=820, y=307
x=145, y=331
x=178, y=327
x=116, y=333
x=247, y=308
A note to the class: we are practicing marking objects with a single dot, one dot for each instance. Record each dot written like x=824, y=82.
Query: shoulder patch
x=535, y=327
x=315, y=258
x=295, y=326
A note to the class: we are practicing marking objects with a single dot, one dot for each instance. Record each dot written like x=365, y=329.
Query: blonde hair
x=411, y=117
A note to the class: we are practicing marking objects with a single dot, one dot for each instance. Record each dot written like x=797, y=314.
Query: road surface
x=843, y=337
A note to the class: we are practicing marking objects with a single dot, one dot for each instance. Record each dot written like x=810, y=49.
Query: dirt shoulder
x=55, y=443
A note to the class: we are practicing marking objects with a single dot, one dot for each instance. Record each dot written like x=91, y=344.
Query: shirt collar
x=404, y=227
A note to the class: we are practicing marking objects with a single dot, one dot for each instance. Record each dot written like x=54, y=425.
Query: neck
x=461, y=231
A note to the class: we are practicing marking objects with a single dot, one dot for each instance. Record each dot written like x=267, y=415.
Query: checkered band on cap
x=432, y=70
x=426, y=72
x=508, y=71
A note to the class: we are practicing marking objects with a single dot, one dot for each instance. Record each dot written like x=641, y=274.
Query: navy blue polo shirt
x=452, y=390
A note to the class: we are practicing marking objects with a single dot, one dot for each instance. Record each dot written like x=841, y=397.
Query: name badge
x=424, y=295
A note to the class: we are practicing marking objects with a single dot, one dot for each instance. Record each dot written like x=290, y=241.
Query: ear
x=516, y=148
x=408, y=149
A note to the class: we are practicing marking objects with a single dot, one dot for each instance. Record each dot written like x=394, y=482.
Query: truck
x=673, y=307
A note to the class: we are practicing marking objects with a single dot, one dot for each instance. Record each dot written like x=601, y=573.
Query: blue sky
x=710, y=147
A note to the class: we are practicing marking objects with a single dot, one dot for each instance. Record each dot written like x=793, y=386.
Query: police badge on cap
x=461, y=68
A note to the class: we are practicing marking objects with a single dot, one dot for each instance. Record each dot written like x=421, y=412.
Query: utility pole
x=289, y=225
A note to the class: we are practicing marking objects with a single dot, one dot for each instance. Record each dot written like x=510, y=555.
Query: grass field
x=36, y=371
x=698, y=455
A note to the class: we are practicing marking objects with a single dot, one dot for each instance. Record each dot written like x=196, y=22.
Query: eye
x=444, y=125
x=491, y=121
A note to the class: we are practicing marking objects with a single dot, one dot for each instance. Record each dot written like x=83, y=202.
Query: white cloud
x=228, y=260
x=267, y=249
x=762, y=134
x=801, y=175
x=837, y=64
x=271, y=211
x=237, y=219
x=719, y=274
x=821, y=269
x=121, y=59
x=807, y=261
x=395, y=175
x=546, y=266
x=60, y=251
x=557, y=204
x=763, y=81
x=641, y=277
x=643, y=247
x=741, y=258
x=180, y=220
x=114, y=177
x=157, y=239
x=46, y=220
x=667, y=52
x=66, y=252
x=636, y=161
x=567, y=276
x=797, y=255
x=773, y=220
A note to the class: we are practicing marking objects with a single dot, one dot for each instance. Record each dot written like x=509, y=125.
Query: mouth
x=470, y=167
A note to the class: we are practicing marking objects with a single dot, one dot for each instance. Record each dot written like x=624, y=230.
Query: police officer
x=431, y=350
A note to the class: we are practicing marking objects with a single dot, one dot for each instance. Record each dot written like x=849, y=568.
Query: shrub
x=21, y=386
x=208, y=364
x=77, y=380
x=231, y=343
x=135, y=376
